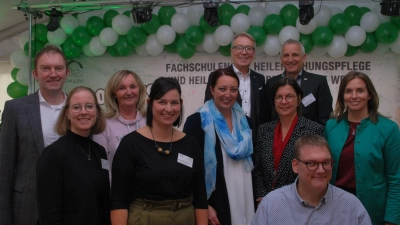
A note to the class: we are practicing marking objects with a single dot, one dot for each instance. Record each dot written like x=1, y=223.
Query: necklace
x=85, y=152
x=158, y=148
x=353, y=129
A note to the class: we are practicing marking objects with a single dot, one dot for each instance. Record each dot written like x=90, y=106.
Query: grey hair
x=243, y=34
x=292, y=41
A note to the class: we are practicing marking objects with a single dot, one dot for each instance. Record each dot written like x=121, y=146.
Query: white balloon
x=273, y=9
x=240, y=23
x=19, y=59
x=382, y=18
x=68, y=23
x=57, y=37
x=369, y=22
x=395, y=46
x=355, y=36
x=194, y=14
x=335, y=10
x=82, y=18
x=223, y=35
x=338, y=47
x=288, y=32
x=121, y=24
x=23, y=39
x=86, y=51
x=272, y=47
x=108, y=37
x=96, y=47
x=180, y=23
x=381, y=49
x=257, y=15
x=153, y=47
x=322, y=14
x=306, y=29
x=165, y=35
x=317, y=52
x=209, y=45
x=141, y=50
x=23, y=76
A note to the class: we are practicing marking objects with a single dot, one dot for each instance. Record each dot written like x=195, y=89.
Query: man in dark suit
x=317, y=99
x=28, y=127
x=251, y=88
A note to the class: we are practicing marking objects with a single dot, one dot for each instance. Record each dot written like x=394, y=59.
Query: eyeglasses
x=288, y=98
x=240, y=49
x=313, y=166
x=77, y=108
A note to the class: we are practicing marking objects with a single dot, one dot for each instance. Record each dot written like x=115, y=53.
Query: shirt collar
x=298, y=76
x=238, y=71
x=42, y=100
x=326, y=199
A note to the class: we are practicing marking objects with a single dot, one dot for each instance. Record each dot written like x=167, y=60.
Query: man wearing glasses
x=317, y=99
x=251, y=84
x=311, y=199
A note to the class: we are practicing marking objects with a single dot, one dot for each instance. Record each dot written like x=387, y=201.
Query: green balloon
x=225, y=13
x=364, y=10
x=14, y=74
x=16, y=90
x=369, y=44
x=136, y=36
x=259, y=34
x=112, y=50
x=354, y=14
x=123, y=47
x=109, y=16
x=289, y=14
x=39, y=32
x=306, y=40
x=273, y=24
x=81, y=36
x=36, y=47
x=207, y=28
x=127, y=13
x=243, y=9
x=194, y=35
x=95, y=25
x=322, y=37
x=184, y=49
x=152, y=26
x=339, y=24
x=225, y=50
x=171, y=48
x=70, y=49
x=386, y=33
x=396, y=21
x=165, y=14
x=351, y=50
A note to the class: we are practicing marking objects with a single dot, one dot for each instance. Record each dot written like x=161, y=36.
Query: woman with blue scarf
x=223, y=131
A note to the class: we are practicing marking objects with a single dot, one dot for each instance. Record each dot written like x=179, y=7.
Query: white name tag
x=105, y=165
x=185, y=160
x=308, y=100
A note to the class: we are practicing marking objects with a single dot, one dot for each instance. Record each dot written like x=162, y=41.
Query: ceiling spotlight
x=53, y=22
x=211, y=13
x=306, y=11
x=390, y=7
x=141, y=14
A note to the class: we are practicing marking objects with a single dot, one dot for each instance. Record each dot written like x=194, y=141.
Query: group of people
x=256, y=152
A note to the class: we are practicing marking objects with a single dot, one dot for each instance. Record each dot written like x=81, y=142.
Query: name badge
x=308, y=100
x=105, y=165
x=185, y=160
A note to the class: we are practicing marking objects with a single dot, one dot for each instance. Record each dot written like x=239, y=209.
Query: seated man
x=311, y=199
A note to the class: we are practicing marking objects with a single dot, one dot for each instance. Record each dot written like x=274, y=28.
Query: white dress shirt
x=244, y=90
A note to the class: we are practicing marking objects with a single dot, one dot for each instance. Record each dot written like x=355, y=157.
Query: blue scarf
x=238, y=145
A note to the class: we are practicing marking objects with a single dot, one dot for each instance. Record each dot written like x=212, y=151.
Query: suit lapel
x=33, y=113
x=304, y=82
x=253, y=98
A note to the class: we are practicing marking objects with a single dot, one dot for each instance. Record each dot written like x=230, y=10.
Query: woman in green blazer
x=366, y=149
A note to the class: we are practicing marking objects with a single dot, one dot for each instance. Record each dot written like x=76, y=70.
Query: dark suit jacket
x=71, y=191
x=20, y=146
x=258, y=106
x=318, y=111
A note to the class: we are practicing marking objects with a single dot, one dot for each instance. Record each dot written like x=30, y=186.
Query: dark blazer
x=258, y=94
x=318, y=111
x=263, y=156
x=219, y=198
x=20, y=146
x=69, y=190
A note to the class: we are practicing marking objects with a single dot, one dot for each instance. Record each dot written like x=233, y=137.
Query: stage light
x=53, y=22
x=211, y=13
x=141, y=14
x=306, y=11
x=390, y=7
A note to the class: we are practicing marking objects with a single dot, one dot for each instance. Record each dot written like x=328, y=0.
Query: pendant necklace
x=353, y=129
x=158, y=148
x=89, y=158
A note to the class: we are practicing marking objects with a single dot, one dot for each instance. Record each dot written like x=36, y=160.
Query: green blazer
x=377, y=164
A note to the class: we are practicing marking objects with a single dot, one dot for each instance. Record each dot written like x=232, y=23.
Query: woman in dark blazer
x=273, y=153
x=72, y=173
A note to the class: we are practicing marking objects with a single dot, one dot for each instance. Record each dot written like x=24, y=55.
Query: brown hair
x=312, y=140
x=47, y=50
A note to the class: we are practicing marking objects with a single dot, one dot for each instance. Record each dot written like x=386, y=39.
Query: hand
x=212, y=216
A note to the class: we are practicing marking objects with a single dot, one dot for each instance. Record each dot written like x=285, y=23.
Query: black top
x=139, y=171
x=72, y=189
